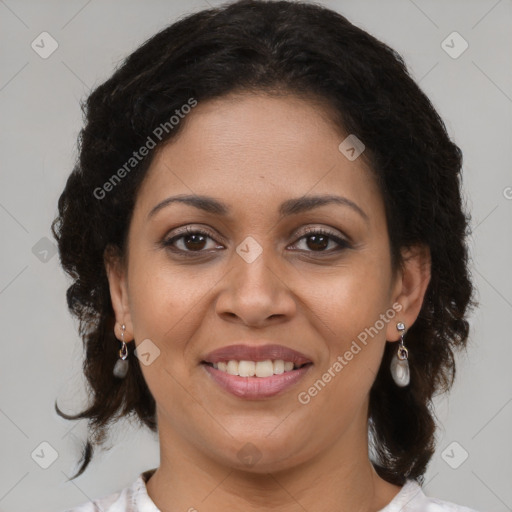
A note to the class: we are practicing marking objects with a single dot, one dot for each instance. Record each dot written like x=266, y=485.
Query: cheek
x=353, y=310
x=351, y=297
x=165, y=298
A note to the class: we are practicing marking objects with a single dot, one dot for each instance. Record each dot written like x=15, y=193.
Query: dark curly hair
x=290, y=48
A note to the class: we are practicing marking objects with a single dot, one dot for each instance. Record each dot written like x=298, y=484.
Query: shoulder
x=133, y=498
x=117, y=502
x=412, y=499
x=114, y=502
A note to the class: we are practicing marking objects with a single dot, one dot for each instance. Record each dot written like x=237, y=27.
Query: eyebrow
x=289, y=207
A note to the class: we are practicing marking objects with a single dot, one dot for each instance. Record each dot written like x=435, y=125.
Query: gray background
x=41, y=351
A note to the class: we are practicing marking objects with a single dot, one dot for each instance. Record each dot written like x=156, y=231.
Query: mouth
x=256, y=380
x=255, y=372
x=256, y=354
x=257, y=369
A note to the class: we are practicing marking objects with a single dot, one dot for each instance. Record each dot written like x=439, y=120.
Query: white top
x=135, y=498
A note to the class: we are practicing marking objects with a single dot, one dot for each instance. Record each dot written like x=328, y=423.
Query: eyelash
x=168, y=243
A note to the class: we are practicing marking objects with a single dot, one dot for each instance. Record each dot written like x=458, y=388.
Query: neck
x=340, y=478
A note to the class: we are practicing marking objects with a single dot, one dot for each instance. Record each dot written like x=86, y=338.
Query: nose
x=256, y=294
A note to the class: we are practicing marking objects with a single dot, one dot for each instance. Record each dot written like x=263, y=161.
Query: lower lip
x=254, y=388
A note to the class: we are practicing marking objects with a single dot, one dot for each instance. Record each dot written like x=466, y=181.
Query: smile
x=256, y=368
x=256, y=379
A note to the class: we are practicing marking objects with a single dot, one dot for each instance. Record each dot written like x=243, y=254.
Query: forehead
x=248, y=148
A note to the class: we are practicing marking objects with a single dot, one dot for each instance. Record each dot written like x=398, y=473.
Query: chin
x=260, y=456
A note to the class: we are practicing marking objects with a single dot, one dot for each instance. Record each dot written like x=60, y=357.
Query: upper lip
x=256, y=353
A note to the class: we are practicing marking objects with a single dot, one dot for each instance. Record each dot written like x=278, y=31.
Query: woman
x=267, y=208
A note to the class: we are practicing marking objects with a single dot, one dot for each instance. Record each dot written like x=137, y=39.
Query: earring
x=399, y=364
x=121, y=366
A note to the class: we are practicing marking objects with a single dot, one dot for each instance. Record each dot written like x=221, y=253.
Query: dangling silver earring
x=121, y=366
x=399, y=364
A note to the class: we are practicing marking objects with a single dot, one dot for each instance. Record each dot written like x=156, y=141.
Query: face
x=260, y=262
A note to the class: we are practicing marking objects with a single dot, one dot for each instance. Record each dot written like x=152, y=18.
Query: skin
x=253, y=152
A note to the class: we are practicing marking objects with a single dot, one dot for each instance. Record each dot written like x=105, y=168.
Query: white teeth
x=278, y=366
x=255, y=368
x=246, y=368
x=232, y=367
x=258, y=369
x=264, y=368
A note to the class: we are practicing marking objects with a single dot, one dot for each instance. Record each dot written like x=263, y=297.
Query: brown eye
x=190, y=241
x=194, y=242
x=318, y=240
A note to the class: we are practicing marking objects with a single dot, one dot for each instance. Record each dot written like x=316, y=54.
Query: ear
x=410, y=287
x=118, y=284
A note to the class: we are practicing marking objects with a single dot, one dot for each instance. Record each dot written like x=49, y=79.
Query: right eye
x=192, y=240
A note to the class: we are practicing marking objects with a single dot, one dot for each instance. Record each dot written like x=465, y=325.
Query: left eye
x=319, y=240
